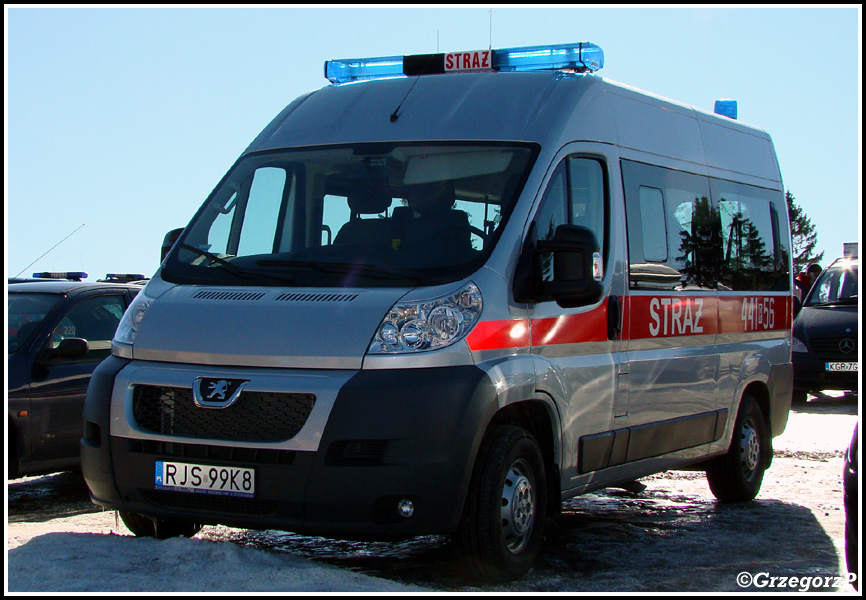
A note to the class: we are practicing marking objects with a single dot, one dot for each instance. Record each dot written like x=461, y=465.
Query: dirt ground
x=671, y=537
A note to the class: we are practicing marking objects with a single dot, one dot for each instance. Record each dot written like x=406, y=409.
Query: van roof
x=550, y=108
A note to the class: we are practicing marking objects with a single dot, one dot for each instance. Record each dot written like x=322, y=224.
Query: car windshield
x=26, y=311
x=836, y=285
x=359, y=216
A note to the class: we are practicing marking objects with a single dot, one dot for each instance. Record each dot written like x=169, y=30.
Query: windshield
x=26, y=312
x=836, y=285
x=359, y=216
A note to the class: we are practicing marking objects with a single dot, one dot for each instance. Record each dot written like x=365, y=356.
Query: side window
x=753, y=257
x=575, y=195
x=653, y=228
x=94, y=319
x=672, y=229
x=587, y=188
x=551, y=214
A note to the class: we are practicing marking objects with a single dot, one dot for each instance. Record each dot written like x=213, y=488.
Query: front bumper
x=811, y=374
x=390, y=435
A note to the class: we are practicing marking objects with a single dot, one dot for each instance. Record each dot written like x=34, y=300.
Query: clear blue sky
x=124, y=119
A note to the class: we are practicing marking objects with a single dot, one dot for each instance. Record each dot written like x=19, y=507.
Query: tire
x=503, y=520
x=798, y=398
x=737, y=476
x=157, y=527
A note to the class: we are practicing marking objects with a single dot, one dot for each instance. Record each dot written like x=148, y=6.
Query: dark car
x=849, y=485
x=58, y=331
x=826, y=335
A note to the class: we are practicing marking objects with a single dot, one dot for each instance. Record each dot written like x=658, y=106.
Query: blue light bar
x=582, y=56
x=579, y=57
x=726, y=108
x=357, y=69
x=70, y=275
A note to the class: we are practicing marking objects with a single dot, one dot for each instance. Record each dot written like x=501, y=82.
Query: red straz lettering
x=676, y=316
x=468, y=61
x=670, y=316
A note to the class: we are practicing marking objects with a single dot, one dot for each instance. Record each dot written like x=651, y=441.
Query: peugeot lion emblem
x=214, y=392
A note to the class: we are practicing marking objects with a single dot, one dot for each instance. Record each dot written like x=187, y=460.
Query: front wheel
x=158, y=527
x=502, y=525
x=737, y=476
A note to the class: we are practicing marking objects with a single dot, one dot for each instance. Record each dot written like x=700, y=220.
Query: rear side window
x=671, y=228
x=753, y=257
x=688, y=231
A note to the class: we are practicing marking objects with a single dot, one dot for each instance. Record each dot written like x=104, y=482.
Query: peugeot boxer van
x=442, y=295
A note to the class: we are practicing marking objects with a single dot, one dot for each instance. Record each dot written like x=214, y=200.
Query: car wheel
x=158, y=527
x=737, y=476
x=503, y=520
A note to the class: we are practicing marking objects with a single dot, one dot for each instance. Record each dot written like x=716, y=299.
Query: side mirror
x=574, y=251
x=168, y=242
x=68, y=349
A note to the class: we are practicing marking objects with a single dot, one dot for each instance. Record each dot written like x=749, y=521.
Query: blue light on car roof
x=357, y=69
x=70, y=275
x=580, y=57
x=726, y=108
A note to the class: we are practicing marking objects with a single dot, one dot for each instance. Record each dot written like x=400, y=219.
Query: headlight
x=799, y=346
x=129, y=324
x=428, y=325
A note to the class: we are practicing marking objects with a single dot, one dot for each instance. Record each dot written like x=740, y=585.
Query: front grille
x=255, y=417
x=210, y=503
x=829, y=347
x=242, y=457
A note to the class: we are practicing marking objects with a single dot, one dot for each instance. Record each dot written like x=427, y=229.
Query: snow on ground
x=54, y=557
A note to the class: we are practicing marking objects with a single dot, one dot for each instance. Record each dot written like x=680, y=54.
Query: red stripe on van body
x=499, y=335
x=571, y=329
x=565, y=329
x=673, y=316
x=645, y=317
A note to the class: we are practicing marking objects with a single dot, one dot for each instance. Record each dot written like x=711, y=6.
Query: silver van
x=444, y=294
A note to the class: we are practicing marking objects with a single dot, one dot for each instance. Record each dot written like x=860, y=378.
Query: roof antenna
x=49, y=250
x=490, y=12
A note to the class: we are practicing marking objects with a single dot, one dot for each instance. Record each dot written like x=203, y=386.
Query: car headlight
x=799, y=346
x=429, y=324
x=129, y=324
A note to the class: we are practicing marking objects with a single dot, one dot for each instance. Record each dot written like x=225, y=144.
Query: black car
x=58, y=330
x=826, y=335
x=849, y=485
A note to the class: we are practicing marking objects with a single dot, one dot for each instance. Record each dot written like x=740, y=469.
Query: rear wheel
x=737, y=476
x=503, y=521
x=158, y=527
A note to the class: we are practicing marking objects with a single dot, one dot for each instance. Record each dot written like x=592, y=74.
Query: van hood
x=263, y=327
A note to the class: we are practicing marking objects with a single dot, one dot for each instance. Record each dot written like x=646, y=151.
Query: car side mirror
x=577, y=268
x=168, y=242
x=67, y=349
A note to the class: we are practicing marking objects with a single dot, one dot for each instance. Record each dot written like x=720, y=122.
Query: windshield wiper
x=228, y=267
x=850, y=300
x=366, y=270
